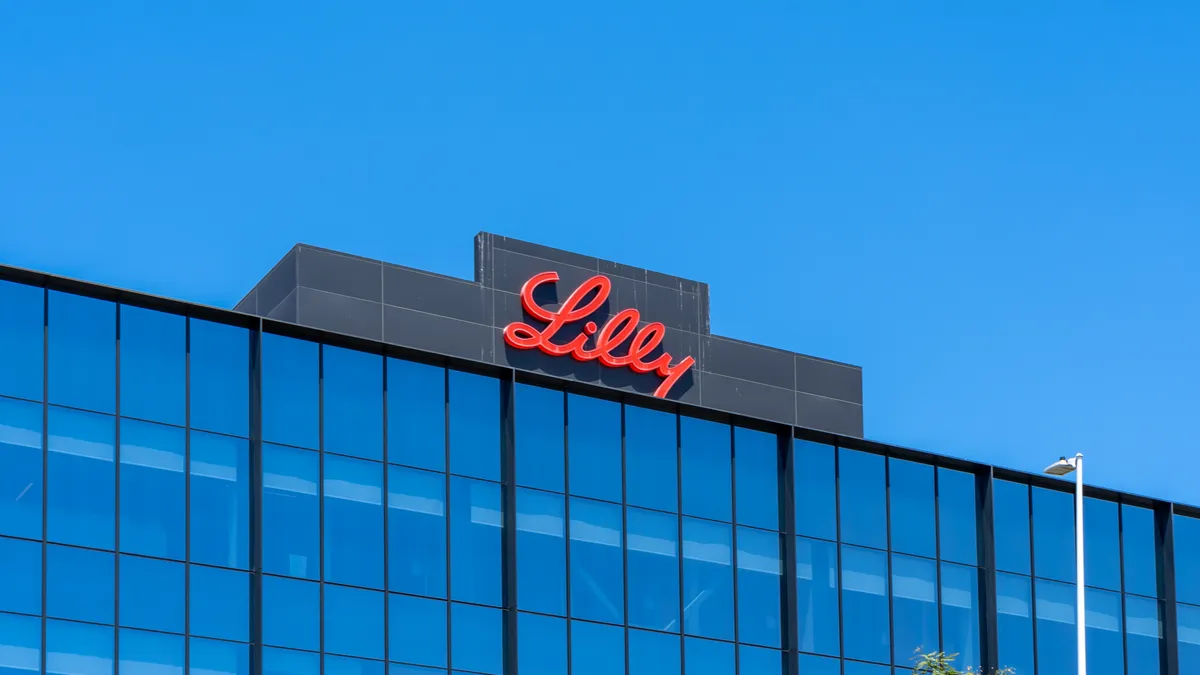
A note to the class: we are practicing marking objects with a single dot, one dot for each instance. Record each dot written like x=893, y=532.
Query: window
x=219, y=603
x=353, y=500
x=78, y=649
x=707, y=579
x=541, y=645
x=914, y=605
x=416, y=408
x=960, y=613
x=653, y=653
x=541, y=552
x=1053, y=551
x=956, y=516
x=597, y=581
x=353, y=402
x=653, y=562
x=81, y=480
x=597, y=649
x=152, y=594
x=475, y=533
x=817, y=596
x=79, y=584
x=1015, y=622
x=651, y=459
x=819, y=665
x=82, y=352
x=594, y=447
x=1105, y=655
x=706, y=462
x=145, y=653
x=220, y=500
x=290, y=391
x=219, y=377
x=1055, y=626
x=862, y=490
x=760, y=601
x=153, y=490
x=341, y=665
x=21, y=457
x=1140, y=550
x=416, y=531
x=856, y=668
x=539, y=437
x=1189, y=638
x=865, y=624
x=21, y=340
x=153, y=365
x=815, y=488
x=474, y=425
x=1187, y=559
x=290, y=512
x=759, y=661
x=1010, y=507
x=914, y=527
x=291, y=613
x=708, y=657
x=1143, y=629
x=20, y=576
x=213, y=657
x=20, y=644
x=288, y=662
x=354, y=622
x=756, y=456
x=1102, y=555
x=477, y=643
x=417, y=630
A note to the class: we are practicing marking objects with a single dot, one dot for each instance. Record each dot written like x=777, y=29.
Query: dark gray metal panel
x=829, y=414
x=702, y=322
x=340, y=313
x=280, y=281
x=827, y=378
x=545, y=252
x=672, y=282
x=512, y=270
x=411, y=289
x=679, y=345
x=248, y=304
x=749, y=362
x=616, y=269
x=537, y=362
x=342, y=274
x=747, y=398
x=629, y=294
x=438, y=334
x=285, y=310
x=673, y=308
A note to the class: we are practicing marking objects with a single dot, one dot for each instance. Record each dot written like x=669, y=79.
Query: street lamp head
x=1062, y=467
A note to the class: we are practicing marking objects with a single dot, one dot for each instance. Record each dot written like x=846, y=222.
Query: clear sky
x=994, y=208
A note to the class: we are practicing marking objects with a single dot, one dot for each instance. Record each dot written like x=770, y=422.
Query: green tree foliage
x=941, y=663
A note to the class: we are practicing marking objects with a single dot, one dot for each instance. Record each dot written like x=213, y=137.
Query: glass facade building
x=191, y=490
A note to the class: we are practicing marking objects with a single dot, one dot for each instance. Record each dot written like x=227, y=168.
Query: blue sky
x=992, y=209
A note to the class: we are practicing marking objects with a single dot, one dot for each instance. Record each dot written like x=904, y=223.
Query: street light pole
x=1063, y=467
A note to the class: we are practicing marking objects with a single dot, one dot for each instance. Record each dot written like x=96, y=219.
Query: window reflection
x=21, y=340
x=291, y=512
x=477, y=642
x=353, y=502
x=416, y=531
x=706, y=464
x=1187, y=559
x=474, y=425
x=597, y=649
x=594, y=447
x=153, y=488
x=20, y=576
x=1010, y=506
x=1102, y=555
x=82, y=354
x=708, y=657
x=960, y=613
x=219, y=602
x=541, y=552
x=651, y=459
x=290, y=391
x=541, y=645
x=817, y=596
x=20, y=644
x=353, y=402
x=1014, y=622
x=857, y=668
x=1189, y=638
x=214, y=657
x=1105, y=655
x=81, y=479
x=653, y=562
x=1143, y=628
x=759, y=587
x=152, y=594
x=756, y=456
x=1140, y=554
x=759, y=660
x=1055, y=627
x=291, y=613
x=863, y=486
x=865, y=626
x=819, y=665
x=707, y=579
x=146, y=653
x=417, y=630
x=78, y=649
x=354, y=622
x=911, y=491
x=597, y=581
x=344, y=665
x=153, y=365
x=653, y=653
x=416, y=409
x=475, y=532
x=1053, y=545
x=956, y=516
x=219, y=380
x=539, y=428
x=288, y=662
x=220, y=500
x=79, y=584
x=815, y=488
x=914, y=605
x=21, y=457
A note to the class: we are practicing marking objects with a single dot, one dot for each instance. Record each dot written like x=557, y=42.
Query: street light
x=1063, y=467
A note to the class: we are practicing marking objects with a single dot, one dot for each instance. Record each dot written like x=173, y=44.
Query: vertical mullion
x=624, y=542
x=508, y=488
x=986, y=552
x=567, y=518
x=737, y=643
x=45, y=459
x=890, y=583
x=117, y=511
x=937, y=547
x=837, y=510
x=1164, y=519
x=187, y=490
x=787, y=526
x=387, y=597
x=1121, y=569
x=321, y=490
x=679, y=535
x=449, y=507
x=256, y=497
x=1033, y=583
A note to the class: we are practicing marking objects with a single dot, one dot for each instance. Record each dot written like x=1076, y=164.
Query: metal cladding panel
x=466, y=318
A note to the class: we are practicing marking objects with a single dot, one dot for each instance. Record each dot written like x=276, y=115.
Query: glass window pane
x=20, y=644
x=708, y=657
x=353, y=402
x=707, y=579
x=653, y=653
x=541, y=552
x=153, y=489
x=819, y=665
x=83, y=352
x=477, y=642
x=1010, y=507
x=401, y=669
x=862, y=495
x=1187, y=559
x=856, y=668
x=956, y=516
x=353, y=501
x=354, y=622
x=219, y=377
x=291, y=512
x=417, y=630
x=760, y=600
x=815, y=488
x=1055, y=626
x=1143, y=627
x=220, y=500
x=817, y=596
x=1189, y=638
x=913, y=520
x=914, y=605
x=960, y=613
x=476, y=523
x=1102, y=555
x=81, y=479
x=756, y=456
x=416, y=408
x=343, y=665
x=541, y=645
x=219, y=603
x=291, y=613
x=651, y=459
x=1140, y=554
x=597, y=581
x=594, y=447
x=289, y=662
x=474, y=425
x=416, y=531
x=706, y=460
x=21, y=338
x=20, y=576
x=21, y=457
x=78, y=649
x=865, y=604
x=597, y=649
x=152, y=594
x=758, y=661
x=1015, y=622
x=153, y=365
x=213, y=657
x=653, y=562
x=145, y=653
x=1053, y=543
x=79, y=584
x=1105, y=655
x=290, y=391
x=540, y=431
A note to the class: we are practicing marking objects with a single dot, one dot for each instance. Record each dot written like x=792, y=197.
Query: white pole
x=1081, y=621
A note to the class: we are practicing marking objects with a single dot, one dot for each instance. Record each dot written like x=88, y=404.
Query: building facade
x=369, y=469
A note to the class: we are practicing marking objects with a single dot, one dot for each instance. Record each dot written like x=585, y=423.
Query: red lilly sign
x=616, y=331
